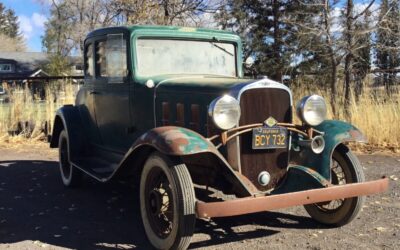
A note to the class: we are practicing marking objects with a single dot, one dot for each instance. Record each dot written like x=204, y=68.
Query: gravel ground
x=37, y=212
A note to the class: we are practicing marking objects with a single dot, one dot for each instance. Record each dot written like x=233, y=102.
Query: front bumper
x=258, y=204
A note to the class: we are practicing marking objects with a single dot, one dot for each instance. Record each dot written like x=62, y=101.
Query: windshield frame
x=215, y=39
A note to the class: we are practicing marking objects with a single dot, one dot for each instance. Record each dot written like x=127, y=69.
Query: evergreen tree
x=9, y=25
x=269, y=36
x=388, y=42
x=362, y=55
x=10, y=37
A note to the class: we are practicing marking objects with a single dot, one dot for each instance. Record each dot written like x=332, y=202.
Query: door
x=111, y=92
x=85, y=97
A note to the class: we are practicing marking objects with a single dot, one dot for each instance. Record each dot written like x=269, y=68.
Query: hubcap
x=159, y=202
x=338, y=178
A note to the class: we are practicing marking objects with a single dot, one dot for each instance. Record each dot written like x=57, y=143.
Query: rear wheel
x=71, y=176
x=345, y=169
x=167, y=203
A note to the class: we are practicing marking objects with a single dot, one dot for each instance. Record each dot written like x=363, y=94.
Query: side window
x=101, y=59
x=111, y=58
x=116, y=57
x=89, y=60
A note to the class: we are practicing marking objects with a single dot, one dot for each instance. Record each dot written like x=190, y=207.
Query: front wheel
x=345, y=169
x=167, y=203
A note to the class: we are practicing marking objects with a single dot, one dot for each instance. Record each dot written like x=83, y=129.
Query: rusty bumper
x=264, y=203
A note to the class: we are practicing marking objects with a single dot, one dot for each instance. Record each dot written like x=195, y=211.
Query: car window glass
x=101, y=60
x=168, y=56
x=89, y=60
x=116, y=57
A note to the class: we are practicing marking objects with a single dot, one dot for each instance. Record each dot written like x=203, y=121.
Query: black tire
x=347, y=209
x=71, y=176
x=166, y=226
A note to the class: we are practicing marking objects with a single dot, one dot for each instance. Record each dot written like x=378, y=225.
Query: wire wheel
x=167, y=203
x=159, y=202
x=345, y=169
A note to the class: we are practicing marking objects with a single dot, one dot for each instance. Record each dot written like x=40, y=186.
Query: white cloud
x=25, y=25
x=38, y=20
x=30, y=26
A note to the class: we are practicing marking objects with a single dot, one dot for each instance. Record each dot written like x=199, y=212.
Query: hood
x=211, y=87
x=200, y=85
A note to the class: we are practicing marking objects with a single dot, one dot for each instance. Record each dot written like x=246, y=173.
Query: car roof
x=159, y=29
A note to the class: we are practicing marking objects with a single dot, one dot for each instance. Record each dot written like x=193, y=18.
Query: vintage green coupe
x=169, y=106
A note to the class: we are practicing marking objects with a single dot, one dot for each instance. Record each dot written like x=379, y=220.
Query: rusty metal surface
x=335, y=132
x=175, y=141
x=257, y=105
x=259, y=204
x=180, y=141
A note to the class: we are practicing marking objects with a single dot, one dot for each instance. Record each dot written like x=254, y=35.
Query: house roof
x=29, y=62
x=34, y=57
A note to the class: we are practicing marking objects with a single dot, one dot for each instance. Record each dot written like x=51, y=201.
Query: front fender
x=171, y=140
x=335, y=133
x=183, y=143
x=67, y=118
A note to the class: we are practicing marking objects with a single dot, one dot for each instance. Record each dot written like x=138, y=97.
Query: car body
x=170, y=107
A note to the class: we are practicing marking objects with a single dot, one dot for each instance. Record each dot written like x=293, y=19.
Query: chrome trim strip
x=265, y=83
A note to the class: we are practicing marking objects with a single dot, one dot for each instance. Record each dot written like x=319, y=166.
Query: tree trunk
x=349, y=57
x=277, y=42
x=333, y=86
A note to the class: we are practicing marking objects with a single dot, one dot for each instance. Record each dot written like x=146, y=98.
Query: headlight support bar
x=228, y=135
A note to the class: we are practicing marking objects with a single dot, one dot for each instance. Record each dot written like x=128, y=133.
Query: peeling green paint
x=335, y=132
x=176, y=141
x=300, y=178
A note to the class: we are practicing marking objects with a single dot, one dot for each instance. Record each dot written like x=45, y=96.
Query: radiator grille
x=256, y=106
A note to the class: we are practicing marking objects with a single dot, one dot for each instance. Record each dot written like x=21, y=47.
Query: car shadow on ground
x=34, y=205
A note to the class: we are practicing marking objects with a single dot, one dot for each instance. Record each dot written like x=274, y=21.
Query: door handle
x=94, y=93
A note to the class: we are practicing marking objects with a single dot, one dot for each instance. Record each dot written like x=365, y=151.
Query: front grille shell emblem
x=270, y=122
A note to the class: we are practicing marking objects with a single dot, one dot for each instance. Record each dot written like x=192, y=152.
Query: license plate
x=267, y=138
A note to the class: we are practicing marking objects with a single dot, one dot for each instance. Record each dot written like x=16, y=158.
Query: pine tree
x=11, y=39
x=269, y=37
x=362, y=55
x=8, y=22
x=388, y=42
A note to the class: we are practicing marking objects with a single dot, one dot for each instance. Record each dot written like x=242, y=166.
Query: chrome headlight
x=312, y=110
x=225, y=112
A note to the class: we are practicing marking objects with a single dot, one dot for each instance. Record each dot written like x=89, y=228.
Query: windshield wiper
x=221, y=48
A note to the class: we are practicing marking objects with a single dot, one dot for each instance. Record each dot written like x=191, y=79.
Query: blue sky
x=32, y=16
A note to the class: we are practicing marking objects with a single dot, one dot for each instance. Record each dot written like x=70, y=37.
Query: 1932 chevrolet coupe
x=170, y=107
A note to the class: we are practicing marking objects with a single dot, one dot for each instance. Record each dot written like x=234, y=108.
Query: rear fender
x=67, y=118
x=335, y=133
x=187, y=145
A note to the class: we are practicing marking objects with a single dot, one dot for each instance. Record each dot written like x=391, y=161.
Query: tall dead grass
x=376, y=114
x=24, y=117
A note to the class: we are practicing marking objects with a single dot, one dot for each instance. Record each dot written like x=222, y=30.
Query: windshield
x=167, y=56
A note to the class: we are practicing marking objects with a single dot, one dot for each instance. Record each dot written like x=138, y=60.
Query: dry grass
x=24, y=118
x=376, y=114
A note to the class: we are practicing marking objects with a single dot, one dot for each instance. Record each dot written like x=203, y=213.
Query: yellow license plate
x=267, y=138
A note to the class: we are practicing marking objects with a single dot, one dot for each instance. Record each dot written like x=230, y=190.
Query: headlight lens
x=225, y=112
x=312, y=110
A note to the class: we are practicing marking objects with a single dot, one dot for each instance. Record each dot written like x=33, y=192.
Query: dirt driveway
x=37, y=212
